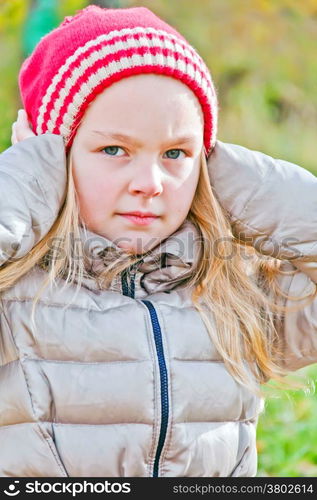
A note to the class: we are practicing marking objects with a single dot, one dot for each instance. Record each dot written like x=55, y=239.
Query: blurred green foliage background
x=262, y=57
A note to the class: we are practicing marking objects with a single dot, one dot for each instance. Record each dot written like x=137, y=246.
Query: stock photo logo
x=13, y=491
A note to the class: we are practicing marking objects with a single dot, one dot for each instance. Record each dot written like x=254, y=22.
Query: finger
x=13, y=134
x=22, y=127
x=26, y=119
x=23, y=118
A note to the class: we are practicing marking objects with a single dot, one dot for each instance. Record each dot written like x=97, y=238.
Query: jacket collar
x=165, y=267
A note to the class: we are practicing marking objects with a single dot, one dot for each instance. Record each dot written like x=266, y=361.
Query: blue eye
x=173, y=157
x=111, y=150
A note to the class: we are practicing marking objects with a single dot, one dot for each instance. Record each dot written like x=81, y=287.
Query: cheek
x=95, y=192
x=184, y=191
x=178, y=201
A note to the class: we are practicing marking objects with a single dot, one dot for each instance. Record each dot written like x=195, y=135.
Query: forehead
x=145, y=97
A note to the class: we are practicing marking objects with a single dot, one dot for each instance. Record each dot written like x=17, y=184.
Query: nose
x=146, y=180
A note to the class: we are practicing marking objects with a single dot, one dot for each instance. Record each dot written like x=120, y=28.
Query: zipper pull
x=128, y=277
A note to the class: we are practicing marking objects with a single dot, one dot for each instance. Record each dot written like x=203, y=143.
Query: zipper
x=164, y=384
x=129, y=274
x=125, y=284
x=129, y=290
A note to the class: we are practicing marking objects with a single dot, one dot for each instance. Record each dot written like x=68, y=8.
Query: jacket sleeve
x=273, y=204
x=32, y=189
x=296, y=330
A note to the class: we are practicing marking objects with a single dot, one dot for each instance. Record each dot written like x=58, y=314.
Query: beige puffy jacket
x=126, y=381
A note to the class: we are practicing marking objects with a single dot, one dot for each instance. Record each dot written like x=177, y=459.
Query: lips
x=143, y=220
x=140, y=214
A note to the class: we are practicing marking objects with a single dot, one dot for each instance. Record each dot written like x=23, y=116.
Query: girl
x=148, y=270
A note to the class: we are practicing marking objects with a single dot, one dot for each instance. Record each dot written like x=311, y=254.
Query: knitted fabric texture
x=98, y=46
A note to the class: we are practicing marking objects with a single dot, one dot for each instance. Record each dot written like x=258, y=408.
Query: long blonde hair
x=235, y=307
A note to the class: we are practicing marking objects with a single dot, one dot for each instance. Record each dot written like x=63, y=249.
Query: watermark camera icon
x=13, y=492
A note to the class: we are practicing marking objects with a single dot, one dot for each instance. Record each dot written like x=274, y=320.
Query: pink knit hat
x=97, y=47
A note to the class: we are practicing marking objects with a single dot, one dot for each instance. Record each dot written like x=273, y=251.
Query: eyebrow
x=185, y=139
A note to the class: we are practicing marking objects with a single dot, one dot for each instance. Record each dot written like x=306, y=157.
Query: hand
x=21, y=129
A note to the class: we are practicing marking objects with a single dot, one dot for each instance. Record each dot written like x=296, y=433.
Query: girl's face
x=138, y=149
